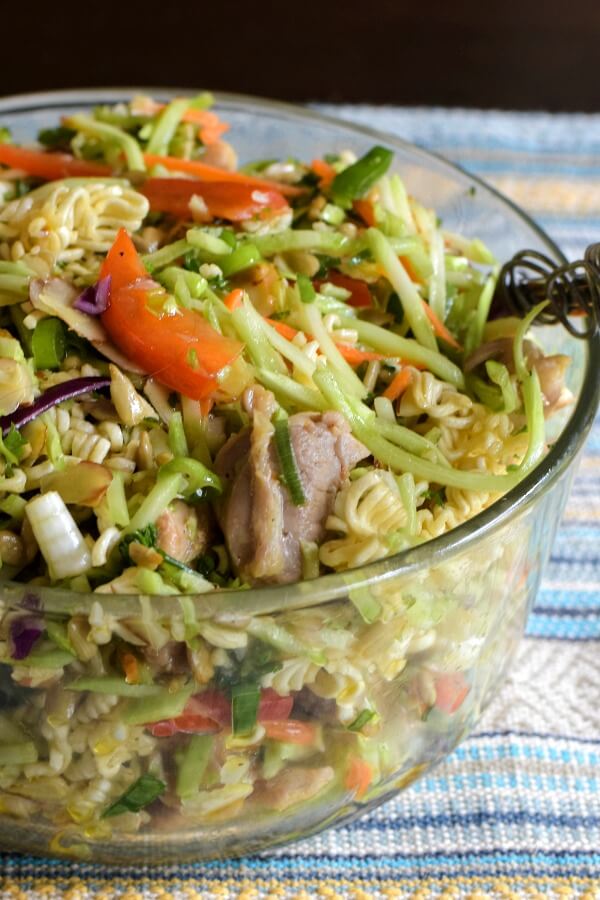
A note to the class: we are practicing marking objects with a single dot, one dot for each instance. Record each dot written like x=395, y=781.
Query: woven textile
x=515, y=811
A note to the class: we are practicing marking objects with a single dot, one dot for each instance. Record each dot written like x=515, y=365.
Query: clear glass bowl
x=444, y=618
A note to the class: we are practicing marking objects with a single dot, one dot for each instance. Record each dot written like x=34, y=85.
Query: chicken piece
x=295, y=785
x=184, y=531
x=262, y=527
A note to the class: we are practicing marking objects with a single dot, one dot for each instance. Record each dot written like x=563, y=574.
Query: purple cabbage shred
x=24, y=632
x=94, y=300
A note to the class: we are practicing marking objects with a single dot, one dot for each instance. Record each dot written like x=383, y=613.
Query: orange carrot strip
x=410, y=270
x=355, y=356
x=358, y=777
x=130, y=667
x=325, y=172
x=439, y=327
x=398, y=384
x=234, y=299
x=206, y=404
x=364, y=208
x=284, y=330
x=213, y=173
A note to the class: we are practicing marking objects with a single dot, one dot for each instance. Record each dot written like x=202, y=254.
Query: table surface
x=515, y=811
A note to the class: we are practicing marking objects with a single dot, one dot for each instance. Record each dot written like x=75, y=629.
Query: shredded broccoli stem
x=408, y=294
x=330, y=242
x=312, y=322
x=290, y=392
x=522, y=329
x=166, y=126
x=112, y=135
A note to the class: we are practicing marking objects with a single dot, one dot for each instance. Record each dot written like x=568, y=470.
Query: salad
x=214, y=378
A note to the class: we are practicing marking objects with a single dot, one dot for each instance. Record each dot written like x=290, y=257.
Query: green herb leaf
x=147, y=537
x=141, y=793
x=56, y=138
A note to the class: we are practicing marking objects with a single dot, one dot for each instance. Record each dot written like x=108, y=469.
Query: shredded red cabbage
x=50, y=398
x=94, y=300
x=24, y=632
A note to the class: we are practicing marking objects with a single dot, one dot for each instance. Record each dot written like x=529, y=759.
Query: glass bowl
x=388, y=666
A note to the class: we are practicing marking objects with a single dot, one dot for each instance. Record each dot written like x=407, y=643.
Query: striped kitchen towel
x=515, y=811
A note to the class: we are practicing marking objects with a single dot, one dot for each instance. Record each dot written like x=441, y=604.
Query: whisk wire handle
x=572, y=290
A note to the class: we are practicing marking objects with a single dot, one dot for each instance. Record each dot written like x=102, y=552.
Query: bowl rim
x=268, y=598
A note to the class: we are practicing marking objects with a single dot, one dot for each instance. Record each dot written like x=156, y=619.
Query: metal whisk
x=572, y=290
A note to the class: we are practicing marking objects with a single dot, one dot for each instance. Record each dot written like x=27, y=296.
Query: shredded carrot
x=364, y=208
x=234, y=299
x=439, y=327
x=213, y=173
x=355, y=356
x=398, y=384
x=325, y=172
x=358, y=777
x=410, y=270
x=206, y=404
x=130, y=667
x=284, y=330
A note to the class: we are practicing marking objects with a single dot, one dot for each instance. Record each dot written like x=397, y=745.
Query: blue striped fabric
x=515, y=811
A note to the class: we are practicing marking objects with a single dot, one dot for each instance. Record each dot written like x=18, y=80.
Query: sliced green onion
x=244, y=707
x=49, y=343
x=110, y=134
x=287, y=459
x=306, y=289
x=354, y=181
x=367, y=715
x=241, y=258
x=192, y=765
x=142, y=793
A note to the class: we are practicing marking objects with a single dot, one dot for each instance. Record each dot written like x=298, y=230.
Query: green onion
x=241, y=258
x=306, y=289
x=49, y=343
x=244, y=707
x=367, y=715
x=142, y=793
x=192, y=765
x=287, y=459
x=357, y=179
x=110, y=134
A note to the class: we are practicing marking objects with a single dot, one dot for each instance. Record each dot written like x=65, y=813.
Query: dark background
x=518, y=55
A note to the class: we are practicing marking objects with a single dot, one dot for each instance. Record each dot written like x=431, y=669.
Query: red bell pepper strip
x=230, y=200
x=360, y=295
x=181, y=350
